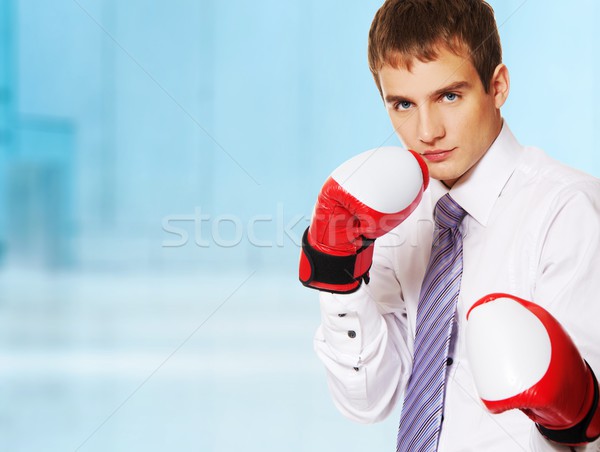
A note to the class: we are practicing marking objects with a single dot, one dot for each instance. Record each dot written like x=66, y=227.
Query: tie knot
x=448, y=213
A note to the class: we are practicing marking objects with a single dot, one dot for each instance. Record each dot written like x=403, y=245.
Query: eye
x=403, y=105
x=450, y=97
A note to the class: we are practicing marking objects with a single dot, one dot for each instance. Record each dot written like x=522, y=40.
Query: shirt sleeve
x=568, y=275
x=363, y=347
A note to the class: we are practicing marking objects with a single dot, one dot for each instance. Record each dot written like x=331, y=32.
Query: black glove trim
x=575, y=434
x=333, y=270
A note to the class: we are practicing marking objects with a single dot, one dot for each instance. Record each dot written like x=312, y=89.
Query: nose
x=430, y=124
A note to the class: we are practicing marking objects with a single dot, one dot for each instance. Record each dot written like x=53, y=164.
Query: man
x=525, y=225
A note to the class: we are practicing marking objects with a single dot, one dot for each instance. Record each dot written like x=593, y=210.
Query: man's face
x=441, y=110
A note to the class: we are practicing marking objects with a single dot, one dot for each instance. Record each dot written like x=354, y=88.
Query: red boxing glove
x=521, y=357
x=364, y=198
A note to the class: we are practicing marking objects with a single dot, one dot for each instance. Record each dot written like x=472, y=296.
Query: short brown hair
x=406, y=29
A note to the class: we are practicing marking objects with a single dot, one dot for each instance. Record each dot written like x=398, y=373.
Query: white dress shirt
x=532, y=230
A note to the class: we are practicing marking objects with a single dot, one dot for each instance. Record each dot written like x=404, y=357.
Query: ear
x=500, y=85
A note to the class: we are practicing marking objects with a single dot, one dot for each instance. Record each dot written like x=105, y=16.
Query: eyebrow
x=452, y=87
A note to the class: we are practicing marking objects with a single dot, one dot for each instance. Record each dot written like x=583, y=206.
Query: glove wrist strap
x=577, y=434
x=336, y=274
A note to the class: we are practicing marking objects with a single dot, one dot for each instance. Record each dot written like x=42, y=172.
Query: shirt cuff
x=350, y=322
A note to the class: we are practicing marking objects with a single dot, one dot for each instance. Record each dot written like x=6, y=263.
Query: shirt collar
x=477, y=190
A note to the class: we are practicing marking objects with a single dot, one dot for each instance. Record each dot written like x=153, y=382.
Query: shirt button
x=449, y=361
x=351, y=334
x=356, y=369
x=341, y=315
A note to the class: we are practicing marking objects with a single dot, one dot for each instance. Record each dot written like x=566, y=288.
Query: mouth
x=437, y=155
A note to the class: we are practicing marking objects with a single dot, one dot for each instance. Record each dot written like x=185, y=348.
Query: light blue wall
x=118, y=119
x=241, y=109
x=551, y=50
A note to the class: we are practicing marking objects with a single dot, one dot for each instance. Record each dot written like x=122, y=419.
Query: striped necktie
x=422, y=413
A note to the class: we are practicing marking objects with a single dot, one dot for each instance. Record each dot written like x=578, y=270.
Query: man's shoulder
x=549, y=175
x=543, y=189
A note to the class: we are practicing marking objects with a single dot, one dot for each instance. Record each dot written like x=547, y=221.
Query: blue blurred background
x=158, y=164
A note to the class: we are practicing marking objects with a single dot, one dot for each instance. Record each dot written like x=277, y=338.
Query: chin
x=447, y=179
x=441, y=176
x=444, y=172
